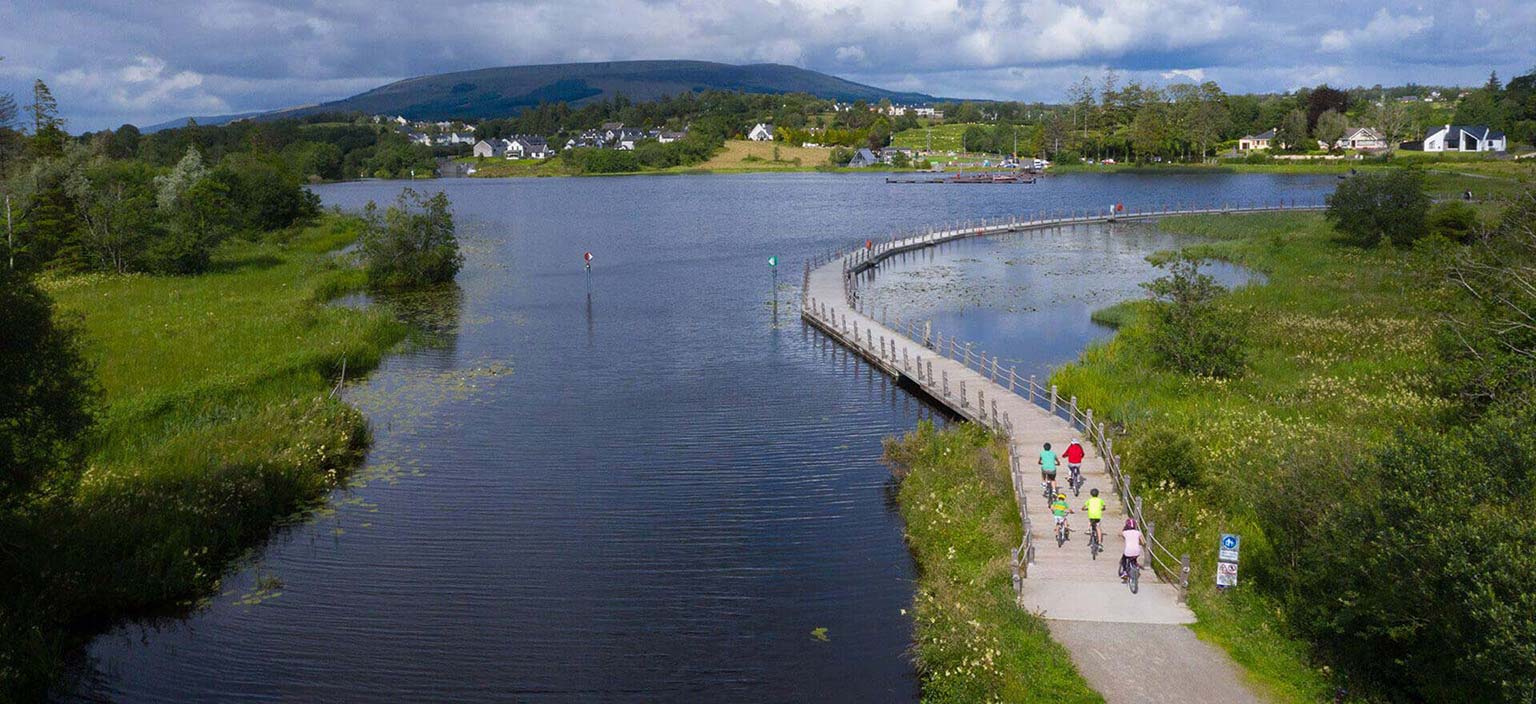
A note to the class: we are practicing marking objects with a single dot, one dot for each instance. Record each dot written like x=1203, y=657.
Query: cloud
x=1383, y=28
x=148, y=60
x=1193, y=75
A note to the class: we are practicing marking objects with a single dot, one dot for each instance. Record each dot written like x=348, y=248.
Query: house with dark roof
x=762, y=132
x=528, y=147
x=1361, y=139
x=1256, y=141
x=490, y=148
x=864, y=157
x=1464, y=138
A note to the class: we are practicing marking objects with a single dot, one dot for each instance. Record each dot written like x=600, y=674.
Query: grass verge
x=217, y=423
x=1339, y=343
x=972, y=642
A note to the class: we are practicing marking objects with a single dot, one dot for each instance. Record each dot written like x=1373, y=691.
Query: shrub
x=1186, y=332
x=1370, y=208
x=1163, y=456
x=412, y=244
x=1453, y=220
x=46, y=389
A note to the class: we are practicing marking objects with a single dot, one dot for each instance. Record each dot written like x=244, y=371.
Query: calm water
x=638, y=486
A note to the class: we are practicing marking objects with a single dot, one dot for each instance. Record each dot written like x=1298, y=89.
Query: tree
x=1188, y=333
x=1321, y=100
x=124, y=143
x=115, y=202
x=46, y=391
x=1292, y=133
x=1392, y=120
x=1331, y=127
x=48, y=135
x=412, y=244
x=1371, y=208
x=976, y=139
x=170, y=186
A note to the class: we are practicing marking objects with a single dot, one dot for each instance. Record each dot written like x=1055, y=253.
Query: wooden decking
x=1064, y=583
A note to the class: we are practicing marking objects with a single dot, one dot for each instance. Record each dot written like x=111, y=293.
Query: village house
x=488, y=148
x=863, y=157
x=668, y=137
x=763, y=132
x=1464, y=138
x=420, y=138
x=1361, y=139
x=1254, y=142
x=528, y=147
x=888, y=154
x=929, y=112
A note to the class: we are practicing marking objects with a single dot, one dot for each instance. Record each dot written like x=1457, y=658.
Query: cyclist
x=1095, y=510
x=1134, y=542
x=1074, y=457
x=1059, y=511
x=1048, y=463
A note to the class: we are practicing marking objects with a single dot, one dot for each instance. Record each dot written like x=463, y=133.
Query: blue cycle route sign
x=1226, y=560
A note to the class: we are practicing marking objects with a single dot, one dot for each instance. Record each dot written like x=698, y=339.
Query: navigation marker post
x=1226, y=560
x=587, y=259
x=773, y=265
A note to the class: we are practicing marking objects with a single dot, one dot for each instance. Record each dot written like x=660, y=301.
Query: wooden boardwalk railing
x=897, y=347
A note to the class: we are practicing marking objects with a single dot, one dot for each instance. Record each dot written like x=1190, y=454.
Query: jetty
x=1129, y=647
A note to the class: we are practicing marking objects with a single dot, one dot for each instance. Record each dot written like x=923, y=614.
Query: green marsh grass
x=217, y=424
x=972, y=641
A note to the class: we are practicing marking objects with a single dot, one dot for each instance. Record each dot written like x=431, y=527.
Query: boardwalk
x=1132, y=648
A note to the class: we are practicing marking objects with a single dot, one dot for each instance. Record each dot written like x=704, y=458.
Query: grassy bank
x=973, y=643
x=1339, y=343
x=216, y=424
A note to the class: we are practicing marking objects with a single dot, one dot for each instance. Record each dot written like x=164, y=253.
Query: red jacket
x=1074, y=454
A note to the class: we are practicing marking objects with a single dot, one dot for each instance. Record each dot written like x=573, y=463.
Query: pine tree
x=45, y=109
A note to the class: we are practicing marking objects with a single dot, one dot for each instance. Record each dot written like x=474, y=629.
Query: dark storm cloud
x=144, y=61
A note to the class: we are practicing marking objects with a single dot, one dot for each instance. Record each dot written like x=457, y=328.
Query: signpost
x=1226, y=560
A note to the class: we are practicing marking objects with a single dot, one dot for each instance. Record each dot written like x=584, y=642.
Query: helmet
x=1093, y=492
x=1075, y=442
x=1130, y=524
x=1062, y=495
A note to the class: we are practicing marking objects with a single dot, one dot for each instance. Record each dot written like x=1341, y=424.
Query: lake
x=643, y=484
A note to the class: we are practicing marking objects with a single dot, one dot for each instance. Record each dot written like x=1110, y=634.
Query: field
x=973, y=643
x=216, y=423
x=944, y=138
x=496, y=167
x=743, y=155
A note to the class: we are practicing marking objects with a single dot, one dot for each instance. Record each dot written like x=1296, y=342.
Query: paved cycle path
x=1129, y=647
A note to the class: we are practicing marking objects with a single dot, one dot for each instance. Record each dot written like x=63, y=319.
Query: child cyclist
x=1074, y=457
x=1134, y=542
x=1059, y=511
x=1095, y=510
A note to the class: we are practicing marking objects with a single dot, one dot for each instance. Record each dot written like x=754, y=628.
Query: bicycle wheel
x=1135, y=578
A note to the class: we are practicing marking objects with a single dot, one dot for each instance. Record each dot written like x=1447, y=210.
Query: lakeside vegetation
x=210, y=429
x=1353, y=452
x=972, y=643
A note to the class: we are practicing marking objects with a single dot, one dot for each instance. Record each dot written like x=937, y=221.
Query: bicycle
x=1134, y=574
x=1076, y=480
x=1063, y=531
x=1094, y=548
x=1048, y=490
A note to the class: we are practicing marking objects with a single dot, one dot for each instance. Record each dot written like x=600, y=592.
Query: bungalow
x=668, y=137
x=888, y=154
x=929, y=112
x=863, y=157
x=1255, y=141
x=420, y=138
x=611, y=130
x=491, y=148
x=763, y=132
x=1464, y=138
x=1361, y=139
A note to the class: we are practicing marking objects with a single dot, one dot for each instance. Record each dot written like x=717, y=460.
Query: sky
x=111, y=62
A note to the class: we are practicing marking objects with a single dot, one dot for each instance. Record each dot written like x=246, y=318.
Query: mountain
x=208, y=120
x=498, y=92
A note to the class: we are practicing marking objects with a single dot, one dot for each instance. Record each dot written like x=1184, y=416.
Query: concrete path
x=1130, y=647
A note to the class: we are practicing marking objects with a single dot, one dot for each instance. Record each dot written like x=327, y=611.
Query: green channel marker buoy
x=773, y=261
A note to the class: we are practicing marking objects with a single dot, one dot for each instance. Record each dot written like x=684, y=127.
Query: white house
x=527, y=147
x=668, y=137
x=421, y=138
x=761, y=133
x=401, y=121
x=1361, y=139
x=491, y=148
x=928, y=111
x=1256, y=141
x=1464, y=138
